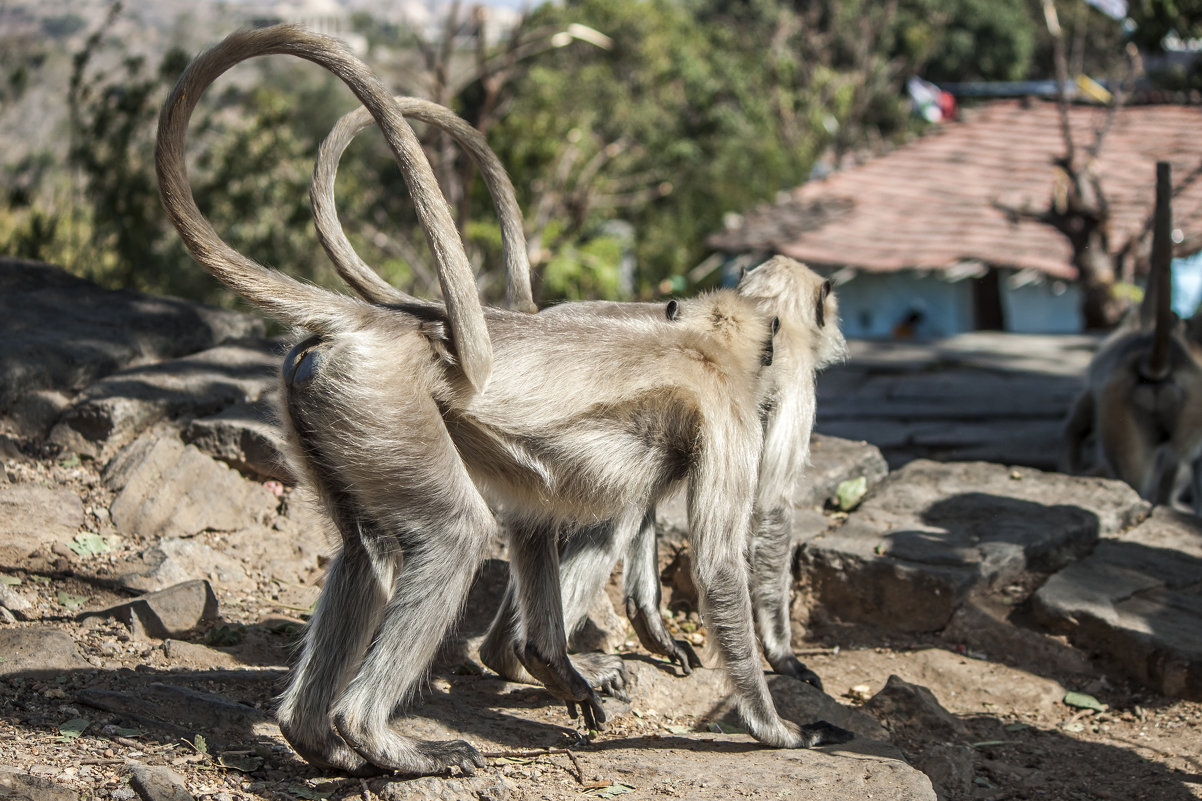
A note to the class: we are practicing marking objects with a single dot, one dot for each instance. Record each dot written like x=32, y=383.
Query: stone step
x=1137, y=601
x=933, y=533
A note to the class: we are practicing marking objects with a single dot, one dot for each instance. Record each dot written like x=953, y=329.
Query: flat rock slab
x=933, y=533
x=158, y=783
x=656, y=756
x=115, y=409
x=16, y=785
x=180, y=711
x=33, y=517
x=834, y=460
x=1137, y=601
x=171, y=612
x=171, y=489
x=967, y=686
x=38, y=651
x=175, y=560
x=246, y=436
x=95, y=331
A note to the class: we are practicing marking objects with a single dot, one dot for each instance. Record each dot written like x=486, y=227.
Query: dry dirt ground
x=1009, y=735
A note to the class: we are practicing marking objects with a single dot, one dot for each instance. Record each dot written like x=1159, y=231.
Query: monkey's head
x=804, y=303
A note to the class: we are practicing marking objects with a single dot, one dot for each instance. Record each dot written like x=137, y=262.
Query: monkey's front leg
x=720, y=526
x=540, y=643
x=640, y=582
x=771, y=574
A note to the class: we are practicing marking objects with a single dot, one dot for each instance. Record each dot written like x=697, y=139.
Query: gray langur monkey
x=809, y=340
x=403, y=419
x=1140, y=411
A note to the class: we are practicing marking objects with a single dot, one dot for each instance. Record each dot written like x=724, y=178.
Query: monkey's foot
x=328, y=752
x=791, y=666
x=560, y=678
x=407, y=756
x=604, y=672
x=654, y=636
x=822, y=733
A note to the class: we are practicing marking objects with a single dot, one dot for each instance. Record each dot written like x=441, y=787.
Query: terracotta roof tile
x=939, y=200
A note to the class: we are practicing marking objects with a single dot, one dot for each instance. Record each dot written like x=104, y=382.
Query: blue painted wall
x=871, y=306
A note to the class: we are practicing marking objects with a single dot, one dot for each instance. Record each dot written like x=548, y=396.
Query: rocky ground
x=989, y=631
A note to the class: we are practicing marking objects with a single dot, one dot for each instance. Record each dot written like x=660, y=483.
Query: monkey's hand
x=654, y=636
x=561, y=679
x=791, y=666
x=603, y=672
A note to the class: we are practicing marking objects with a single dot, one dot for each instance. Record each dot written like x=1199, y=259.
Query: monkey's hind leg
x=499, y=654
x=586, y=563
x=496, y=651
x=348, y=609
x=334, y=641
x=414, y=529
x=771, y=576
x=439, y=529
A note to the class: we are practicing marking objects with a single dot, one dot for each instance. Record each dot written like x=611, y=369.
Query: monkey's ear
x=775, y=325
x=823, y=292
x=673, y=310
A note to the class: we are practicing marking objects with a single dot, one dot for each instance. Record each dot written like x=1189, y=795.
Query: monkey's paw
x=822, y=733
x=328, y=752
x=603, y=672
x=447, y=754
x=791, y=666
x=649, y=627
x=389, y=749
x=560, y=678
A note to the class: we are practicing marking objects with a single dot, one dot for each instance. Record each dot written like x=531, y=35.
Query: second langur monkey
x=406, y=419
x=1140, y=411
x=808, y=339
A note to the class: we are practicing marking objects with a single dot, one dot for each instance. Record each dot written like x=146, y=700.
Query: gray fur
x=406, y=437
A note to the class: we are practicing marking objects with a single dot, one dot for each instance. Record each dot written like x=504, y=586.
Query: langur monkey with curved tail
x=807, y=340
x=1141, y=408
x=406, y=420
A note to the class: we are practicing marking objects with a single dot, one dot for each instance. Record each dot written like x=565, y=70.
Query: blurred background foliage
x=629, y=140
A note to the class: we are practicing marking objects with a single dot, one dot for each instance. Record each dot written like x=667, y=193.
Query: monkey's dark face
x=805, y=304
x=769, y=350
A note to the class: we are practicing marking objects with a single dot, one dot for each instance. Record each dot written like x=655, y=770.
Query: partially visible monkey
x=402, y=418
x=782, y=288
x=1141, y=407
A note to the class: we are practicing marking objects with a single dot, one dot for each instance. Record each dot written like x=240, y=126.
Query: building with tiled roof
x=932, y=236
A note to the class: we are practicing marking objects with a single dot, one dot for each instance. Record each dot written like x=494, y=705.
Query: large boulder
x=119, y=407
x=95, y=332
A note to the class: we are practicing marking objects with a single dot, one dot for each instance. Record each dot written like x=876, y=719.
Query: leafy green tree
x=1156, y=19
x=698, y=110
x=968, y=40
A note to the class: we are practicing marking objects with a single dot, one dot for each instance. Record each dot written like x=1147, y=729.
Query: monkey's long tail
x=362, y=278
x=1160, y=279
x=286, y=299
